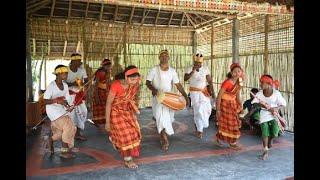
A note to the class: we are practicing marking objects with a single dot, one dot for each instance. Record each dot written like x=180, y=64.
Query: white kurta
x=200, y=103
x=275, y=100
x=55, y=111
x=80, y=112
x=162, y=81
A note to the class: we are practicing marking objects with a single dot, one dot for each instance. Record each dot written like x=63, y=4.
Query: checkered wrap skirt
x=99, y=110
x=229, y=123
x=124, y=127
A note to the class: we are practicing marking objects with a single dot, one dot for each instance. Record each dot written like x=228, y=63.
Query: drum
x=173, y=101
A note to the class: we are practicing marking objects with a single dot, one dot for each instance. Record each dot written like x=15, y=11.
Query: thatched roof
x=64, y=26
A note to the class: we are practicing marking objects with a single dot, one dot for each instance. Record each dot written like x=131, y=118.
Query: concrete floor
x=188, y=157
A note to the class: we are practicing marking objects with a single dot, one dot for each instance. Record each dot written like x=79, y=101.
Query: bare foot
x=80, y=137
x=51, y=148
x=217, y=143
x=264, y=155
x=66, y=155
x=130, y=164
x=199, y=134
x=235, y=146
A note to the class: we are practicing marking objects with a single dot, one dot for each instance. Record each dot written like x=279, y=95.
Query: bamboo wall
x=140, y=45
x=251, y=50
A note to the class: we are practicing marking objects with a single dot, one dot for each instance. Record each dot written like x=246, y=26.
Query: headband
x=266, y=79
x=62, y=69
x=131, y=71
x=276, y=83
x=235, y=65
x=76, y=57
x=163, y=51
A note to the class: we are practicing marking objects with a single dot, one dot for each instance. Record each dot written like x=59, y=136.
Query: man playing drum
x=160, y=79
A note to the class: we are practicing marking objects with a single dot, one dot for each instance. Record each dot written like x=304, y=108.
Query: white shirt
x=165, y=80
x=80, y=74
x=274, y=100
x=55, y=110
x=198, y=79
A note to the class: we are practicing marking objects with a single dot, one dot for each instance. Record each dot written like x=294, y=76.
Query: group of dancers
x=116, y=101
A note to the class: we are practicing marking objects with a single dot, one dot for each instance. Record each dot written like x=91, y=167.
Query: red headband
x=131, y=71
x=266, y=79
x=276, y=83
x=234, y=65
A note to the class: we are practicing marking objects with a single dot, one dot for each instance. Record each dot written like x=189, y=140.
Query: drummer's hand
x=154, y=92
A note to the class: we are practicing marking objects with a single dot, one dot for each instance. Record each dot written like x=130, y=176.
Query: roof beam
x=155, y=23
x=69, y=10
x=101, y=11
x=144, y=16
x=116, y=13
x=49, y=47
x=183, y=15
x=189, y=19
x=86, y=15
x=131, y=15
x=170, y=18
x=34, y=46
x=78, y=47
x=201, y=17
x=201, y=25
x=36, y=6
x=52, y=7
x=64, y=48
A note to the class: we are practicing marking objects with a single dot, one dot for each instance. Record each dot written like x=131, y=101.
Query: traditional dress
x=62, y=125
x=162, y=81
x=200, y=97
x=125, y=132
x=79, y=114
x=229, y=123
x=101, y=92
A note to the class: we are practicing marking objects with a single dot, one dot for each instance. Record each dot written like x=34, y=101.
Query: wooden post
x=125, y=30
x=212, y=44
x=266, y=54
x=195, y=43
x=235, y=40
x=28, y=59
x=45, y=73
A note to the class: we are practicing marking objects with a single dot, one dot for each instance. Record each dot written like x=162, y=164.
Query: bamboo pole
x=45, y=73
x=235, y=40
x=125, y=30
x=195, y=43
x=212, y=46
x=28, y=59
x=266, y=53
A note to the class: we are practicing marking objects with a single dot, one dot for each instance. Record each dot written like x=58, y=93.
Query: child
x=252, y=117
x=269, y=126
x=56, y=99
